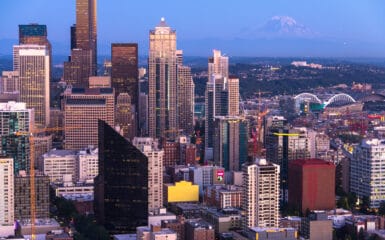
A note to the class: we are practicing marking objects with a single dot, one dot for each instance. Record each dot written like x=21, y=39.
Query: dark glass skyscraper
x=124, y=73
x=121, y=188
x=83, y=61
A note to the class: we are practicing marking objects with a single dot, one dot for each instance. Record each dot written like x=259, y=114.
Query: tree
x=343, y=202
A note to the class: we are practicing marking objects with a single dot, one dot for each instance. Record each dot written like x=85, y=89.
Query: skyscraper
x=261, y=194
x=233, y=96
x=218, y=65
x=83, y=60
x=155, y=171
x=33, y=64
x=121, y=188
x=124, y=116
x=124, y=72
x=82, y=109
x=366, y=171
x=162, y=107
x=230, y=142
x=35, y=34
x=185, y=99
x=7, y=201
x=15, y=117
x=86, y=31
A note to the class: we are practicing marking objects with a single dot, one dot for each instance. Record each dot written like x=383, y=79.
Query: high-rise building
x=15, y=117
x=216, y=103
x=162, y=70
x=261, y=194
x=7, y=202
x=312, y=185
x=230, y=142
x=284, y=145
x=233, y=96
x=77, y=70
x=86, y=32
x=366, y=171
x=35, y=34
x=125, y=116
x=121, y=188
x=155, y=171
x=9, y=82
x=83, y=60
x=99, y=82
x=23, y=196
x=185, y=99
x=124, y=72
x=218, y=65
x=143, y=114
x=33, y=64
x=82, y=109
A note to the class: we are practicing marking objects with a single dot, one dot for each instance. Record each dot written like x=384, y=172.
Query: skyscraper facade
x=366, y=172
x=15, y=117
x=218, y=65
x=82, y=109
x=185, y=99
x=124, y=72
x=83, y=60
x=162, y=68
x=230, y=142
x=124, y=116
x=86, y=31
x=7, y=201
x=233, y=96
x=155, y=171
x=261, y=194
x=121, y=188
x=33, y=64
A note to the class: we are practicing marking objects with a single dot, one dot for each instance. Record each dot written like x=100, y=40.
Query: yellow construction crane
x=287, y=134
x=31, y=135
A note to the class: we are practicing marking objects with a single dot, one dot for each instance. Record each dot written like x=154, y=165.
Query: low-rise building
x=223, y=220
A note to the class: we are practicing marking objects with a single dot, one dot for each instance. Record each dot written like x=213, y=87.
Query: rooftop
x=311, y=162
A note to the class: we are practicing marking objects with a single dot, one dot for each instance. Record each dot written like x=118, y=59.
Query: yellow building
x=181, y=192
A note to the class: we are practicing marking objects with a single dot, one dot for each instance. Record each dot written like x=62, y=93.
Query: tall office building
x=125, y=116
x=15, y=117
x=82, y=109
x=216, y=103
x=9, y=82
x=230, y=142
x=143, y=114
x=185, y=99
x=162, y=70
x=124, y=72
x=33, y=64
x=77, y=70
x=7, y=201
x=284, y=145
x=83, y=60
x=233, y=96
x=23, y=196
x=261, y=194
x=35, y=34
x=218, y=65
x=86, y=32
x=121, y=188
x=366, y=172
x=155, y=171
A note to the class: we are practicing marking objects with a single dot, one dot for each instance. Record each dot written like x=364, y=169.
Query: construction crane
x=31, y=135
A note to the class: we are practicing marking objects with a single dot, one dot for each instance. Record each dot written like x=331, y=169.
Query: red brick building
x=312, y=184
x=171, y=153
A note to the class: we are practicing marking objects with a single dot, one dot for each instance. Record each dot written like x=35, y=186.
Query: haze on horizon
x=277, y=28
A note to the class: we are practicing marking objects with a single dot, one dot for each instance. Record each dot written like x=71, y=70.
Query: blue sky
x=358, y=26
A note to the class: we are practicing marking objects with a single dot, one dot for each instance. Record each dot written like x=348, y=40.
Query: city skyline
x=299, y=28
